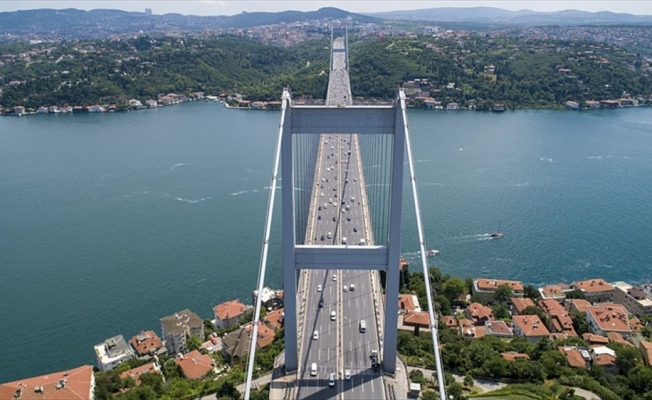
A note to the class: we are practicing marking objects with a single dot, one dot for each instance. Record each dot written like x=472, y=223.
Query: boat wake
x=546, y=159
x=176, y=166
x=192, y=201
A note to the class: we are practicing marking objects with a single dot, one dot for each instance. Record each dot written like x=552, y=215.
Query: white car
x=334, y=277
x=315, y=335
x=319, y=288
x=331, y=380
x=347, y=375
x=345, y=288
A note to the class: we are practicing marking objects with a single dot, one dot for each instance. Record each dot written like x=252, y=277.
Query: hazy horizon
x=221, y=7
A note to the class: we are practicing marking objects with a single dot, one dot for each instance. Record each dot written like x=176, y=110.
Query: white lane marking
x=350, y=345
x=372, y=386
x=319, y=354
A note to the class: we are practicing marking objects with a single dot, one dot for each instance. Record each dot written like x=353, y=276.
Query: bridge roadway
x=338, y=216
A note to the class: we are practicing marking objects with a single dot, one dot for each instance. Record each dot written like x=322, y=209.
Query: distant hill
x=491, y=15
x=79, y=24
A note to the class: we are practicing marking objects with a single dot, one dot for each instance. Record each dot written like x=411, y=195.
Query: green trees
x=503, y=293
x=454, y=288
x=193, y=343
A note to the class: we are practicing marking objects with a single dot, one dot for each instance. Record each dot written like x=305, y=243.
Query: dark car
x=321, y=302
x=348, y=218
x=322, y=237
x=319, y=217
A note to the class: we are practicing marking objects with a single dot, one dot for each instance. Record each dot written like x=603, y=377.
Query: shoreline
x=227, y=106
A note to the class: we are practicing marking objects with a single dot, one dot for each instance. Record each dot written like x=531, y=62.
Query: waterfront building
x=112, y=352
x=229, y=314
x=146, y=343
x=195, y=365
x=270, y=299
x=602, y=320
x=529, y=327
x=72, y=384
x=19, y=110
x=485, y=289
x=635, y=299
x=555, y=292
x=179, y=327
x=595, y=290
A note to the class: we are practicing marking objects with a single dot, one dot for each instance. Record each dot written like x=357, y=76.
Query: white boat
x=433, y=253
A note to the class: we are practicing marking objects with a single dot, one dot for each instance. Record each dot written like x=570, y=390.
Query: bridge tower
x=386, y=122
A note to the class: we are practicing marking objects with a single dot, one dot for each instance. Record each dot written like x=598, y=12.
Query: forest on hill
x=469, y=70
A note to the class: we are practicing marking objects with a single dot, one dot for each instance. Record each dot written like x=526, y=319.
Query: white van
x=333, y=316
x=313, y=369
x=344, y=240
x=329, y=235
x=362, y=242
x=363, y=326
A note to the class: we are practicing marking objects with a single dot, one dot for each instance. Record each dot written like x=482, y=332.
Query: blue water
x=109, y=222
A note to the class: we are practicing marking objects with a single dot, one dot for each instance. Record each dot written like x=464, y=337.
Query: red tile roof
x=615, y=337
x=406, y=302
x=145, y=342
x=492, y=284
x=135, y=373
x=478, y=312
x=229, y=309
x=521, y=304
x=594, y=286
x=580, y=304
x=610, y=318
x=498, y=328
x=594, y=339
x=274, y=319
x=450, y=321
x=420, y=318
x=561, y=320
x=530, y=325
x=265, y=336
x=77, y=386
x=195, y=365
x=512, y=355
x=573, y=356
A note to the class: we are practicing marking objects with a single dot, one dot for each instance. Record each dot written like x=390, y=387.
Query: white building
x=112, y=352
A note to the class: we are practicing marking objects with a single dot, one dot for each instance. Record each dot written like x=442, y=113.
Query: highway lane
x=337, y=218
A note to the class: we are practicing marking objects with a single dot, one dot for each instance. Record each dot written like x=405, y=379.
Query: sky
x=232, y=7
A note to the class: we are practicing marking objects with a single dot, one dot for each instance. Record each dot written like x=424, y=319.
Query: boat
x=497, y=234
x=433, y=253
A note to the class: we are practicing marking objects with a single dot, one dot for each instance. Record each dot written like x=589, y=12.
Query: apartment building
x=112, y=352
x=635, y=298
x=485, y=289
x=595, y=290
x=177, y=328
